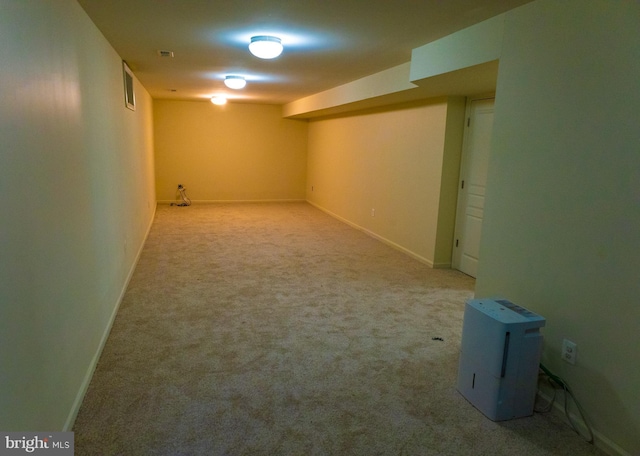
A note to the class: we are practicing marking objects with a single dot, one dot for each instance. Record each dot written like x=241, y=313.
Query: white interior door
x=473, y=179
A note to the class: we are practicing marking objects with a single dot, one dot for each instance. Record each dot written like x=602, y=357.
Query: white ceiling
x=327, y=42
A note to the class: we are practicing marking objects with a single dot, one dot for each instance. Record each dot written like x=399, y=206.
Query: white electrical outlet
x=569, y=351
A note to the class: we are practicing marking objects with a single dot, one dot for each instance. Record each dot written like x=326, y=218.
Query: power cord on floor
x=183, y=195
x=559, y=383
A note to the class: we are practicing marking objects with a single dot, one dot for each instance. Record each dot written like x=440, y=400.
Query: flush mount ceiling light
x=265, y=47
x=218, y=100
x=235, y=82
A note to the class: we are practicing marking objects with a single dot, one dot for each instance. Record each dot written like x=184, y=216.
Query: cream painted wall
x=236, y=152
x=561, y=231
x=482, y=44
x=76, y=176
x=391, y=161
x=376, y=86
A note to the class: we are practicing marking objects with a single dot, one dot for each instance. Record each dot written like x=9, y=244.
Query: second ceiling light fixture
x=235, y=82
x=265, y=46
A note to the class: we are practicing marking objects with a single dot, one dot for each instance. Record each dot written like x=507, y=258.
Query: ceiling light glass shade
x=235, y=82
x=265, y=47
x=218, y=100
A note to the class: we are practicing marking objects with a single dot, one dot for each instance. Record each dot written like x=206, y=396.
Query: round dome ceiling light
x=218, y=100
x=235, y=82
x=265, y=47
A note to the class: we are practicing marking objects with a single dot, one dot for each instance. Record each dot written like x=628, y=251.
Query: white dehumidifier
x=499, y=358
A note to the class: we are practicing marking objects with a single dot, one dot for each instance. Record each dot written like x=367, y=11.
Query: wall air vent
x=162, y=53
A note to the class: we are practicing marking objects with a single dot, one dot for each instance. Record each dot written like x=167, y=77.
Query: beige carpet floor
x=274, y=329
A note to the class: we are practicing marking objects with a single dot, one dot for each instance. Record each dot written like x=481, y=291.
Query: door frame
x=456, y=253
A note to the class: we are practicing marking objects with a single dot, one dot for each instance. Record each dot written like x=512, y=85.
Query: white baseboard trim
x=382, y=239
x=77, y=403
x=599, y=440
x=168, y=202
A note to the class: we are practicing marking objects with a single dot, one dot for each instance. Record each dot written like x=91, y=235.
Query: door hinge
x=456, y=242
x=462, y=184
x=468, y=121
